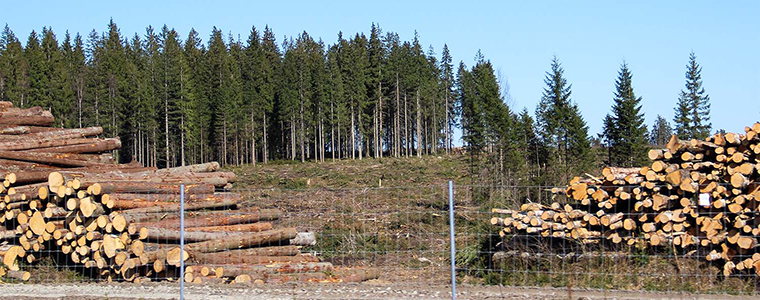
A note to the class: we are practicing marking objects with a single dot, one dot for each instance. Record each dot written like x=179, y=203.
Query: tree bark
x=419, y=126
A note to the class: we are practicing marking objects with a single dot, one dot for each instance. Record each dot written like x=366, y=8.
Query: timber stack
x=65, y=197
x=701, y=197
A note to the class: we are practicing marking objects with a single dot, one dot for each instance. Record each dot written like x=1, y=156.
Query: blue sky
x=591, y=39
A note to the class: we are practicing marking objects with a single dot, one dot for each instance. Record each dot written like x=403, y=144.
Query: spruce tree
x=692, y=118
x=38, y=83
x=218, y=74
x=561, y=125
x=14, y=69
x=534, y=154
x=58, y=91
x=374, y=71
x=191, y=107
x=335, y=92
x=626, y=132
x=271, y=59
x=473, y=122
x=661, y=132
x=447, y=84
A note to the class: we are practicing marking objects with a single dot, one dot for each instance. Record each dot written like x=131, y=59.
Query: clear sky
x=591, y=39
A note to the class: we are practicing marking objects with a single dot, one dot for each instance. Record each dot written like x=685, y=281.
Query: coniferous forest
x=177, y=99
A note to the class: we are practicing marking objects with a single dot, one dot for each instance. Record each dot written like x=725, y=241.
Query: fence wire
x=403, y=232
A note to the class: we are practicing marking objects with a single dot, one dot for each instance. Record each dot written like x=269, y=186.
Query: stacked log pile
x=701, y=197
x=64, y=196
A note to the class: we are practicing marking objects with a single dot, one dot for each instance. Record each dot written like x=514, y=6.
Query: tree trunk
x=353, y=135
x=246, y=241
x=380, y=119
x=406, y=127
x=397, y=124
x=361, y=136
x=264, y=135
x=253, y=140
x=182, y=140
x=419, y=126
x=332, y=129
x=292, y=138
x=166, y=124
x=92, y=146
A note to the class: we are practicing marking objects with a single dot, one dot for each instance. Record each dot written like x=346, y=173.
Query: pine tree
x=473, y=122
x=173, y=104
x=117, y=100
x=270, y=62
x=626, y=132
x=234, y=102
x=661, y=132
x=356, y=91
x=218, y=74
x=58, y=91
x=533, y=151
x=447, y=81
x=95, y=79
x=74, y=62
x=149, y=129
x=393, y=75
x=39, y=84
x=374, y=83
x=337, y=98
x=190, y=107
x=172, y=68
x=561, y=125
x=14, y=69
x=692, y=119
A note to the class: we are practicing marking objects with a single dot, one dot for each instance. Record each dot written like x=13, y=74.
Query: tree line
x=177, y=101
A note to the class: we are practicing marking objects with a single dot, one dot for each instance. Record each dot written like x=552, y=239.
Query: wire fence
x=402, y=233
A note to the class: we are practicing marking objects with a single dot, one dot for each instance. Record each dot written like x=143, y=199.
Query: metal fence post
x=181, y=242
x=453, y=244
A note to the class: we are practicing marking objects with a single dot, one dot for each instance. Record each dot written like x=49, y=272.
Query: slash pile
x=64, y=197
x=701, y=196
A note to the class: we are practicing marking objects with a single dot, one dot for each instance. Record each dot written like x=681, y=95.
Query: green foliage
x=661, y=132
x=692, y=111
x=624, y=131
x=176, y=101
x=562, y=128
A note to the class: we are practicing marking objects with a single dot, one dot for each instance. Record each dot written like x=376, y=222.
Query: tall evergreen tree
x=270, y=62
x=38, y=84
x=14, y=69
x=190, y=108
x=692, y=118
x=626, y=132
x=473, y=123
x=561, y=125
x=447, y=82
x=175, y=102
x=58, y=91
x=375, y=55
x=661, y=132
x=75, y=68
x=218, y=74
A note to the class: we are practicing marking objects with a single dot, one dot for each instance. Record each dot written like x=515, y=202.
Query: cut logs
x=64, y=196
x=701, y=195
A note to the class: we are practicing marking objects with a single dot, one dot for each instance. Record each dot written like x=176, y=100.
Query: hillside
x=401, y=228
x=393, y=172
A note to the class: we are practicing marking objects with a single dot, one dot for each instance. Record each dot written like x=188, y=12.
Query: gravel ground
x=318, y=291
